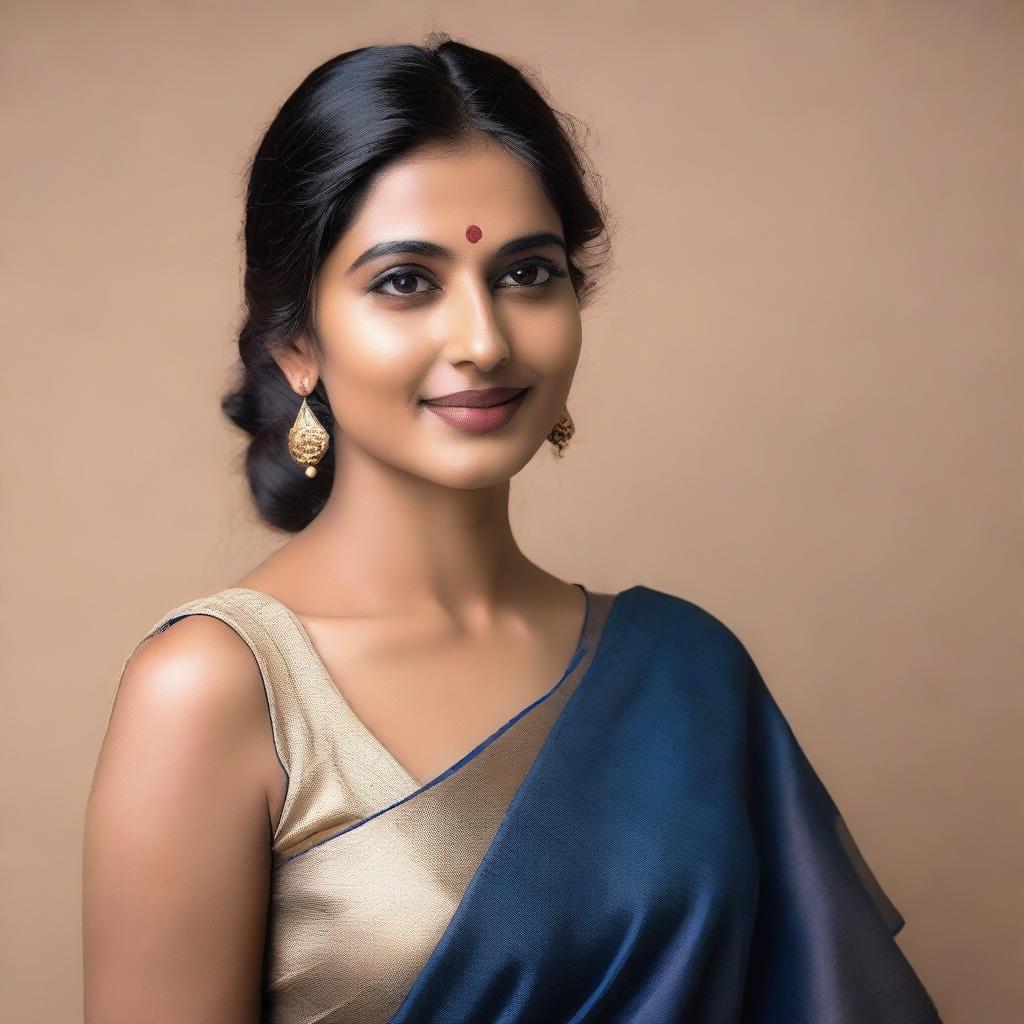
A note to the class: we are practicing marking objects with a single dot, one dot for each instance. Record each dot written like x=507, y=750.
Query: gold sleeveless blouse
x=369, y=865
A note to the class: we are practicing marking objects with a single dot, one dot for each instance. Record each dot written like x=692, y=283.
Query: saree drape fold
x=646, y=844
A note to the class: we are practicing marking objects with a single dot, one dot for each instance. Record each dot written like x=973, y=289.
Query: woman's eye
x=527, y=276
x=402, y=283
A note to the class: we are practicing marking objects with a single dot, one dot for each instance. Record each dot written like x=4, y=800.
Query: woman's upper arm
x=177, y=857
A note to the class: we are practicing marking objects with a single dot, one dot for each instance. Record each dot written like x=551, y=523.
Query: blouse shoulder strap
x=221, y=606
x=322, y=785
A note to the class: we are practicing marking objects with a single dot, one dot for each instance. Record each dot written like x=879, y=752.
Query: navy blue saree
x=671, y=856
x=647, y=843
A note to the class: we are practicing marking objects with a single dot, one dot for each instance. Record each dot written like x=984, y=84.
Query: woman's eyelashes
x=405, y=282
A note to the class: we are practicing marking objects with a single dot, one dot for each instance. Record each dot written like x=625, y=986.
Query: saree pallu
x=646, y=843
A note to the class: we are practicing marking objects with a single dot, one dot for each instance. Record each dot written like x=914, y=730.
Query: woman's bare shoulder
x=197, y=657
x=177, y=824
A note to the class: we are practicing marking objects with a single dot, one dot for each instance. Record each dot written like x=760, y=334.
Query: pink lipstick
x=478, y=412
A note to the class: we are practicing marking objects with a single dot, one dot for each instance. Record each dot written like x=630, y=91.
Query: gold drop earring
x=562, y=431
x=307, y=438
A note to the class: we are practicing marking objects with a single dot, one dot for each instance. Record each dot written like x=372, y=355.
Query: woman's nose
x=474, y=330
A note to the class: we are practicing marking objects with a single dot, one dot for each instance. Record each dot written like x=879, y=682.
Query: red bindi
x=473, y=233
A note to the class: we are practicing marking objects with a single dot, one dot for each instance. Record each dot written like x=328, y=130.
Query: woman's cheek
x=551, y=338
x=378, y=352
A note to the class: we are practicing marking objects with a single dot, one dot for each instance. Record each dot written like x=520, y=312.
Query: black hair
x=348, y=119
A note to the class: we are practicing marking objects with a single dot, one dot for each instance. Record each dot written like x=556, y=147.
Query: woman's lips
x=478, y=420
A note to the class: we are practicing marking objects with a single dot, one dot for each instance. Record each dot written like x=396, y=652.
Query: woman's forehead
x=443, y=191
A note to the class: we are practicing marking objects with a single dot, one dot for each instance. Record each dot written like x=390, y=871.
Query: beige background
x=798, y=403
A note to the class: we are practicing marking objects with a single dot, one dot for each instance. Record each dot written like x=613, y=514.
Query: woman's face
x=472, y=293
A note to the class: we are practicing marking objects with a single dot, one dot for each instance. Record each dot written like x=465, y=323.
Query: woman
x=398, y=772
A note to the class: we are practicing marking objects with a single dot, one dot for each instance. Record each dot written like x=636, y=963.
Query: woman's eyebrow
x=421, y=248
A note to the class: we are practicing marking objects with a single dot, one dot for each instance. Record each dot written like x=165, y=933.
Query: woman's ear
x=297, y=360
